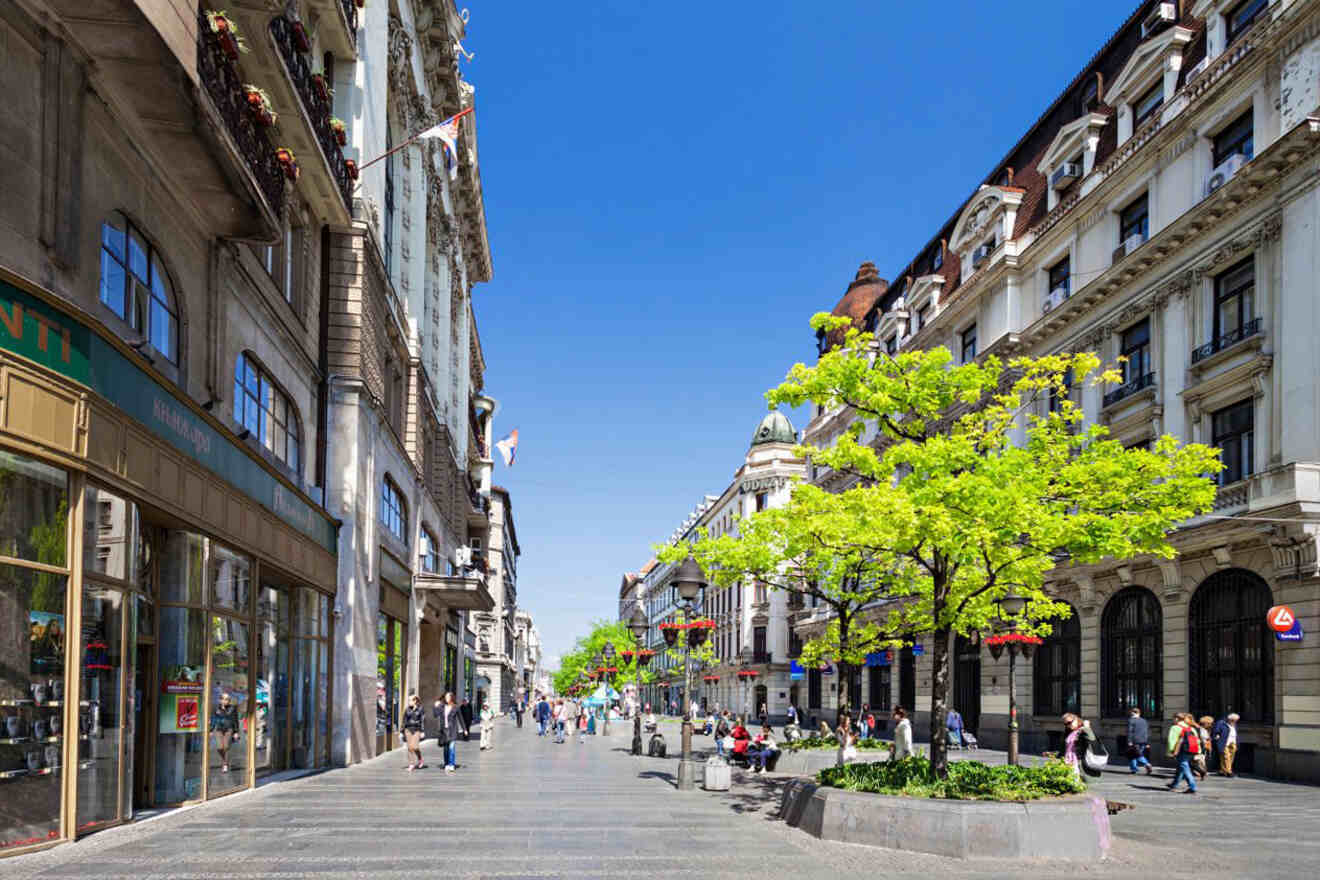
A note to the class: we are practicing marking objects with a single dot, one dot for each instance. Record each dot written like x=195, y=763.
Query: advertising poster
x=179, y=713
x=46, y=632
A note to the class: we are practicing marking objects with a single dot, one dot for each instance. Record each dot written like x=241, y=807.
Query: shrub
x=968, y=780
x=822, y=742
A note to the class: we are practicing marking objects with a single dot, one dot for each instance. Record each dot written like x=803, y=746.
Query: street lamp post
x=1010, y=606
x=639, y=626
x=689, y=581
x=609, y=661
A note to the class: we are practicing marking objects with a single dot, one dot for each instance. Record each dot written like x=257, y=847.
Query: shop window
x=1136, y=351
x=1235, y=299
x=34, y=510
x=1232, y=654
x=1241, y=17
x=1131, y=654
x=136, y=287
x=969, y=344
x=430, y=553
x=180, y=734
x=230, y=576
x=393, y=513
x=1057, y=670
x=228, y=706
x=1233, y=431
x=1147, y=104
x=1134, y=221
x=1236, y=139
x=261, y=408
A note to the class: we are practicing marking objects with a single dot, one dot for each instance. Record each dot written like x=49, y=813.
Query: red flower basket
x=290, y=165
x=1015, y=642
x=748, y=673
x=710, y=678
x=644, y=657
x=352, y=168
x=670, y=632
x=318, y=83
x=300, y=39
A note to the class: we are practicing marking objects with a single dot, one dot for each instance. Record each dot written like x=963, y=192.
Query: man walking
x=542, y=715
x=1138, y=741
x=1224, y=738
x=1184, y=744
x=517, y=708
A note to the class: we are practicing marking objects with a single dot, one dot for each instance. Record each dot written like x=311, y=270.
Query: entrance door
x=967, y=682
x=907, y=679
x=143, y=709
x=762, y=699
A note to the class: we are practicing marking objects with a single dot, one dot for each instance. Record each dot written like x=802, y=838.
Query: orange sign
x=1280, y=618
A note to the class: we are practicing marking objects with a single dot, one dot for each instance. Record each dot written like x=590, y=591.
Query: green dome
x=774, y=428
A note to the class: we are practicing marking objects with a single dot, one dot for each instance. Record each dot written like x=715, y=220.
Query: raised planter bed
x=1074, y=828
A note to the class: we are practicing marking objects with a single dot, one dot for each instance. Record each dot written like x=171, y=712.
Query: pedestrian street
x=534, y=808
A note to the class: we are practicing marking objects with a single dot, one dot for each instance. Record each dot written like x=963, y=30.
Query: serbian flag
x=508, y=447
x=447, y=132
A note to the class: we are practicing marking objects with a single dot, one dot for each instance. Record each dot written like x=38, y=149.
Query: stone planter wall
x=1073, y=828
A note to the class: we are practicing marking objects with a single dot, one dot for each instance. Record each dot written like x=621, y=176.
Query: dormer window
x=1147, y=104
x=1090, y=96
x=937, y=261
x=1240, y=18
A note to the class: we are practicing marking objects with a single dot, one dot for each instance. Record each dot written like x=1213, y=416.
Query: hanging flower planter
x=670, y=631
x=1015, y=642
x=748, y=673
x=318, y=83
x=644, y=657
x=341, y=134
x=352, y=168
x=290, y=165
x=301, y=41
x=226, y=33
x=259, y=104
x=360, y=3
x=710, y=679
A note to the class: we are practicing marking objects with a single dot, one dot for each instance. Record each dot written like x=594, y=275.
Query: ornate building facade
x=1162, y=211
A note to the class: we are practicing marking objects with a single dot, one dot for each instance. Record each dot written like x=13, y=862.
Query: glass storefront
x=34, y=512
x=390, y=663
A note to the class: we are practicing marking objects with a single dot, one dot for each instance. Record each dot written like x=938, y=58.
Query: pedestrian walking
x=953, y=723
x=466, y=709
x=487, y=727
x=765, y=715
x=722, y=730
x=1138, y=741
x=863, y=725
x=1200, y=764
x=1224, y=737
x=1075, y=744
x=451, y=727
x=413, y=725
x=542, y=715
x=1184, y=744
x=902, y=734
x=559, y=721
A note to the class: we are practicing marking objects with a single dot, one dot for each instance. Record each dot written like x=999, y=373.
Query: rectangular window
x=1235, y=298
x=1136, y=348
x=969, y=344
x=1243, y=16
x=1234, y=433
x=762, y=499
x=1134, y=220
x=937, y=259
x=1235, y=139
x=758, y=643
x=891, y=345
x=1147, y=104
x=1060, y=276
x=923, y=316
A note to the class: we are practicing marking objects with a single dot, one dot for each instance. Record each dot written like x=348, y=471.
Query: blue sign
x=795, y=671
x=918, y=650
x=1292, y=635
x=877, y=658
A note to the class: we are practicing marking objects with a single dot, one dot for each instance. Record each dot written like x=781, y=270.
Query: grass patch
x=968, y=780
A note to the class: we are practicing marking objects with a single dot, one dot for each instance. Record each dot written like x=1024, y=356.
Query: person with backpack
x=1184, y=745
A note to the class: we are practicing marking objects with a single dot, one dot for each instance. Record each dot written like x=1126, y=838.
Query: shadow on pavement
x=659, y=774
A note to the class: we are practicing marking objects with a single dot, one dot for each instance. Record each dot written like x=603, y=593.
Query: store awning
x=465, y=592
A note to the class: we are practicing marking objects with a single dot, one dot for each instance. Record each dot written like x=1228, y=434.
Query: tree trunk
x=845, y=670
x=939, y=702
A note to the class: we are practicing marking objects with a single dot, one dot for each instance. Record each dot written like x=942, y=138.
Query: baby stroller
x=969, y=741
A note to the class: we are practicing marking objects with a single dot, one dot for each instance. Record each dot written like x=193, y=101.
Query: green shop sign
x=31, y=328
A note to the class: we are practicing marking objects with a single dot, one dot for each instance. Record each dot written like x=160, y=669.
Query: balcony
x=465, y=591
x=1233, y=497
x=1227, y=341
x=1130, y=388
x=336, y=21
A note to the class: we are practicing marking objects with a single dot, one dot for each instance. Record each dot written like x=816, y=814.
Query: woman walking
x=1078, y=740
x=902, y=734
x=412, y=732
x=451, y=728
x=224, y=722
x=487, y=727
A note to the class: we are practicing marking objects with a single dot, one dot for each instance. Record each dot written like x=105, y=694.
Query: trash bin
x=718, y=776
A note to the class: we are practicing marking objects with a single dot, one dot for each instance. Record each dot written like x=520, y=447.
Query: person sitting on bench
x=740, y=740
x=761, y=749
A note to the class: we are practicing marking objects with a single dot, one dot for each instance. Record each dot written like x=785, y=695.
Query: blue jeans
x=955, y=737
x=1184, y=772
x=540, y=727
x=719, y=745
x=1139, y=761
x=863, y=731
x=559, y=731
x=451, y=753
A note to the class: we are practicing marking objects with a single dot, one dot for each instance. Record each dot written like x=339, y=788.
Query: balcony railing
x=315, y=102
x=351, y=16
x=219, y=75
x=1130, y=388
x=1233, y=337
x=1232, y=495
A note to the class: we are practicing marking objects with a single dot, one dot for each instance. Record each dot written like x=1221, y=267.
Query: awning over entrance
x=465, y=592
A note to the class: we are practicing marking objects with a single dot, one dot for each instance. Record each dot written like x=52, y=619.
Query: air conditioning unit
x=1128, y=245
x=1055, y=298
x=463, y=557
x=1162, y=14
x=1065, y=174
x=1224, y=173
x=981, y=254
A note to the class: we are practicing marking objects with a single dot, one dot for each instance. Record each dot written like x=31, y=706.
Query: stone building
x=1163, y=210
x=496, y=658
x=225, y=364
x=752, y=642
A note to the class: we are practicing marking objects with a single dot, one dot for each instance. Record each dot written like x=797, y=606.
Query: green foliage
x=966, y=780
x=578, y=661
x=810, y=743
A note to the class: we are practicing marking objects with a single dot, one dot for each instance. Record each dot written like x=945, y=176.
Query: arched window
x=136, y=287
x=393, y=512
x=1131, y=665
x=1231, y=654
x=429, y=552
x=1057, y=675
x=262, y=408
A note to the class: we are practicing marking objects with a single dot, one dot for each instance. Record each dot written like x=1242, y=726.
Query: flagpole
x=411, y=140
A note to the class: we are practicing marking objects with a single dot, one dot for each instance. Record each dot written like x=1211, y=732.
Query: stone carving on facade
x=1268, y=230
x=1294, y=550
x=1171, y=573
x=400, y=58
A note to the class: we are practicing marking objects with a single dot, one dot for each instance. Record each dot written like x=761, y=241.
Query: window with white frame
x=1060, y=278
x=1235, y=139
x=429, y=553
x=1235, y=300
x=1145, y=106
x=1136, y=351
x=1233, y=431
x=1134, y=221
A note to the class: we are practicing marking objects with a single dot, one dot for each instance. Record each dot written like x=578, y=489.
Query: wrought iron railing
x=315, y=101
x=1229, y=339
x=219, y=75
x=351, y=16
x=1129, y=388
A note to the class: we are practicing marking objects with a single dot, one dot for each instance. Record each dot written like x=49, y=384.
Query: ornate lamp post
x=689, y=581
x=1011, y=606
x=639, y=626
x=609, y=662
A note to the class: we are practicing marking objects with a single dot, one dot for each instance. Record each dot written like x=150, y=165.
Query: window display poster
x=46, y=632
x=179, y=713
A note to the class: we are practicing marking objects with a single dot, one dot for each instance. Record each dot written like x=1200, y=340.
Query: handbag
x=728, y=743
x=1095, y=757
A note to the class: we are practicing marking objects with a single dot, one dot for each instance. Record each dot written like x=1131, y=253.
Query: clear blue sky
x=672, y=190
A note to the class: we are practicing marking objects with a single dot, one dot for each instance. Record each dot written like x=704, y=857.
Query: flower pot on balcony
x=671, y=635
x=290, y=165
x=301, y=41
x=341, y=133
x=318, y=83
x=229, y=45
x=360, y=3
x=352, y=168
x=996, y=649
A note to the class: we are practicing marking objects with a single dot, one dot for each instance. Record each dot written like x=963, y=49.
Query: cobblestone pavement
x=532, y=808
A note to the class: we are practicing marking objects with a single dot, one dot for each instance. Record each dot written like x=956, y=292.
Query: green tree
x=970, y=480
x=578, y=661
